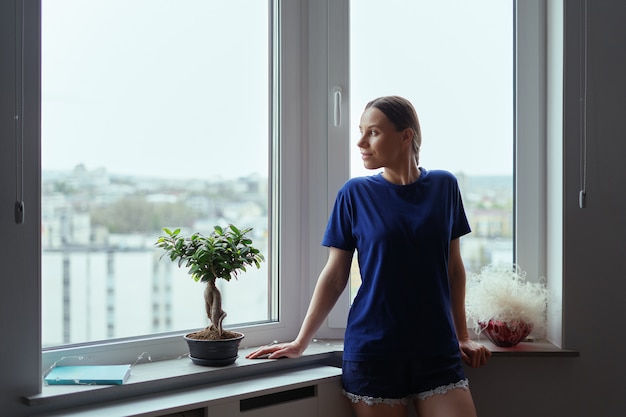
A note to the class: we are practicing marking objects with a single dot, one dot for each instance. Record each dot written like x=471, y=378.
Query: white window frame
x=534, y=97
x=286, y=203
x=539, y=150
x=313, y=157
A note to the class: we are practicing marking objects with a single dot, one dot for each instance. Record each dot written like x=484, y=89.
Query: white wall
x=593, y=245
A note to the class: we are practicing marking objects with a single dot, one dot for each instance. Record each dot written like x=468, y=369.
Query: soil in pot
x=211, y=333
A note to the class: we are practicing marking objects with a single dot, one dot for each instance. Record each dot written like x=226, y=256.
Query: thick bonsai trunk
x=213, y=306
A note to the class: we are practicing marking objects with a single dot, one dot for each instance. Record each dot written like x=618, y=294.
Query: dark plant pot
x=213, y=352
x=506, y=334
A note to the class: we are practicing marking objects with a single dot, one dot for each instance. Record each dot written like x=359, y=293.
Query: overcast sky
x=141, y=85
x=453, y=60
x=131, y=85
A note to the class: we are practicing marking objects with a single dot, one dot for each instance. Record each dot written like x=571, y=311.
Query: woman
x=406, y=336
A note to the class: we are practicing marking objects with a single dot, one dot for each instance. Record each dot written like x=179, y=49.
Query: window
x=142, y=129
x=215, y=88
x=518, y=136
x=310, y=103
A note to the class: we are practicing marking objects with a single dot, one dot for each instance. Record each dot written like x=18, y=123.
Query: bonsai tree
x=222, y=254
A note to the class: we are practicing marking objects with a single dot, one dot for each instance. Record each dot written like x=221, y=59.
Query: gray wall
x=594, y=288
x=594, y=285
x=19, y=255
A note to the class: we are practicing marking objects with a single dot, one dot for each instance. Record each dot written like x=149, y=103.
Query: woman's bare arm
x=474, y=354
x=330, y=285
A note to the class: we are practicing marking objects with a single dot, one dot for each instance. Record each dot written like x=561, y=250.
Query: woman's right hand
x=277, y=350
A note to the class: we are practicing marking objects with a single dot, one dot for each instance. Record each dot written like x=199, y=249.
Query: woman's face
x=381, y=145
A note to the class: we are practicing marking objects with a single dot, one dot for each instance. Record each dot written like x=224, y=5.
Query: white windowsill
x=529, y=349
x=176, y=374
x=167, y=376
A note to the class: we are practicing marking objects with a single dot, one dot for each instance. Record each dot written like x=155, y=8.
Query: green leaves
x=222, y=254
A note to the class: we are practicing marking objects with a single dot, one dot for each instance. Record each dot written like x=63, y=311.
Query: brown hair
x=401, y=114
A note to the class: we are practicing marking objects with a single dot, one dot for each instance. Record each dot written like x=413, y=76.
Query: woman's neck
x=402, y=177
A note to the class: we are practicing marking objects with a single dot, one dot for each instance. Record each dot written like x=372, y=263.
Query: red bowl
x=506, y=334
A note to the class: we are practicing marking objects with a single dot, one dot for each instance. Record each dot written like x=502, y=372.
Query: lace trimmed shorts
x=394, y=381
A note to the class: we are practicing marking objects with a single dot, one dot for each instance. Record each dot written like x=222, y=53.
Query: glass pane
x=453, y=60
x=154, y=114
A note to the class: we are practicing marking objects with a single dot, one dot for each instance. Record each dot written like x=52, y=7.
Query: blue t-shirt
x=402, y=234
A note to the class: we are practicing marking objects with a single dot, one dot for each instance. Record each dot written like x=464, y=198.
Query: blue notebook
x=88, y=375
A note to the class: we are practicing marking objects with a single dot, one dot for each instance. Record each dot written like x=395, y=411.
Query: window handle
x=337, y=106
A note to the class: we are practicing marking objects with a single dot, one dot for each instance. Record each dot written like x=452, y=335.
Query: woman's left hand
x=474, y=354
